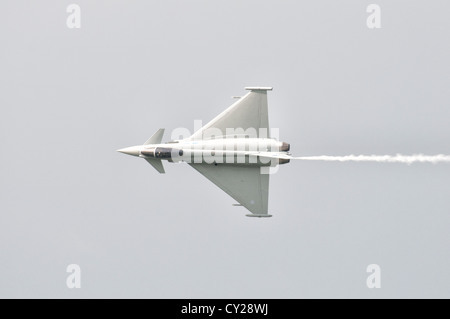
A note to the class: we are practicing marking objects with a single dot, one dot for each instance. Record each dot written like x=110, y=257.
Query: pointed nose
x=133, y=150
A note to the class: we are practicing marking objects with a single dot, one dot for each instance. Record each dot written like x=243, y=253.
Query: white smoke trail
x=406, y=159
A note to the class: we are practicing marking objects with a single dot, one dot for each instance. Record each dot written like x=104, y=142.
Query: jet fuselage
x=213, y=151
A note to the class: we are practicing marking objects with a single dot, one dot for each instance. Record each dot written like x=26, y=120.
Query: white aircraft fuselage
x=229, y=150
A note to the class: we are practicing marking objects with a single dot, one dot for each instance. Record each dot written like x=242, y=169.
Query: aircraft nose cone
x=133, y=150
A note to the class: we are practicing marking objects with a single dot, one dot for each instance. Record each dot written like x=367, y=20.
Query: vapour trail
x=399, y=158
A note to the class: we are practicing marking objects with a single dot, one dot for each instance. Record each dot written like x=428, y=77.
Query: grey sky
x=69, y=98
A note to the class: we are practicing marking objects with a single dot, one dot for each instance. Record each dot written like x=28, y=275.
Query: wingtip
x=259, y=215
x=259, y=88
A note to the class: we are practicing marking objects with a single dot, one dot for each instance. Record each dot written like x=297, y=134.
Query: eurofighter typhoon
x=234, y=151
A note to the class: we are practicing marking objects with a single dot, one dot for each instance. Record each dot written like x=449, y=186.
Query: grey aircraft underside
x=234, y=151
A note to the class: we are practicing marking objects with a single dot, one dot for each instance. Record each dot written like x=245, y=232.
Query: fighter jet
x=234, y=151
